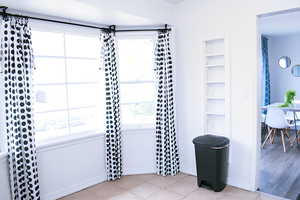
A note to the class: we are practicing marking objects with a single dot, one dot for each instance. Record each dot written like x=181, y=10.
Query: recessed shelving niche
x=217, y=98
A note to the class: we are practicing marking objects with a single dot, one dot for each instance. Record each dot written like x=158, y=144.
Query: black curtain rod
x=55, y=21
x=153, y=29
x=108, y=28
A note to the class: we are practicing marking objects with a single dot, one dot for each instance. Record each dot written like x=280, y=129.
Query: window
x=137, y=81
x=68, y=85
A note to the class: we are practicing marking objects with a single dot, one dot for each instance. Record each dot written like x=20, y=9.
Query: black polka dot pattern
x=113, y=130
x=17, y=67
x=167, y=158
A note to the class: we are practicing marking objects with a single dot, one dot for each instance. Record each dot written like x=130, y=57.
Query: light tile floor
x=153, y=187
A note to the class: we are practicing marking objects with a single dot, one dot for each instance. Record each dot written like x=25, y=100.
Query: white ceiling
x=119, y=12
x=280, y=24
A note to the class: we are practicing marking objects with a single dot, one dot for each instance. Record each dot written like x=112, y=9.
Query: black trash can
x=212, y=154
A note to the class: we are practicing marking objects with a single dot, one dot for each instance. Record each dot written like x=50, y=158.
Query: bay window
x=137, y=80
x=68, y=85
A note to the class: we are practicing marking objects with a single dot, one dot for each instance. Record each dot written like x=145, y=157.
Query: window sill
x=67, y=139
x=127, y=128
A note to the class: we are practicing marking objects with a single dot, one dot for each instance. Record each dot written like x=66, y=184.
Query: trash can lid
x=211, y=141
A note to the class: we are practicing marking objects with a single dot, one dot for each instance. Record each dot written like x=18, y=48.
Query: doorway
x=279, y=171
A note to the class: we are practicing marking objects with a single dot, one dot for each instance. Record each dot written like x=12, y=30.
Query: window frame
x=137, y=35
x=77, y=31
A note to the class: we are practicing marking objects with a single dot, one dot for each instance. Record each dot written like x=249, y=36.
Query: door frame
x=258, y=90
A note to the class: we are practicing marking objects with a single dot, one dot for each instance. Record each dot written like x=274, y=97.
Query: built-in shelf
x=213, y=66
x=215, y=113
x=214, y=54
x=215, y=82
x=216, y=98
x=214, y=40
x=213, y=132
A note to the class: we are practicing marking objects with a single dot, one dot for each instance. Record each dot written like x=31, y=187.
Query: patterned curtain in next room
x=167, y=158
x=113, y=129
x=266, y=88
x=17, y=63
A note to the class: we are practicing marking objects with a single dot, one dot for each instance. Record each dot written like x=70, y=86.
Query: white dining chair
x=290, y=116
x=276, y=120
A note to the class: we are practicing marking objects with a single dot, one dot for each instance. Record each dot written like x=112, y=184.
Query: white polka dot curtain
x=17, y=66
x=113, y=130
x=167, y=158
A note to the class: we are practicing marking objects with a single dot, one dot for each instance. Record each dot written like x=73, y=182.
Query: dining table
x=294, y=108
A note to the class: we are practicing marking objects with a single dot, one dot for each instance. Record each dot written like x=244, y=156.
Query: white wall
x=68, y=167
x=71, y=165
x=4, y=180
x=282, y=79
x=201, y=19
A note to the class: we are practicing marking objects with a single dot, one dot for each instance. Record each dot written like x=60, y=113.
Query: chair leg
x=268, y=131
x=283, y=142
x=273, y=136
x=267, y=137
x=286, y=131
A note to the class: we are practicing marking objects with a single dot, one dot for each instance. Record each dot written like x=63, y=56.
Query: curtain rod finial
x=4, y=8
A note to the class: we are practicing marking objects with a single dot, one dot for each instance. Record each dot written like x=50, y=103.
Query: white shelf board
x=216, y=98
x=214, y=54
x=214, y=39
x=215, y=82
x=215, y=114
x=218, y=133
x=215, y=65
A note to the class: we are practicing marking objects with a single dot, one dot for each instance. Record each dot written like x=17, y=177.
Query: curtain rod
x=135, y=30
x=108, y=28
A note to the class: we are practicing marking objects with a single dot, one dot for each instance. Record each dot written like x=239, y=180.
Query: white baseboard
x=73, y=188
x=137, y=172
x=273, y=197
x=230, y=180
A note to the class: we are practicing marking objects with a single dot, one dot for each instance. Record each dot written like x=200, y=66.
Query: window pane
x=87, y=120
x=49, y=98
x=84, y=70
x=47, y=43
x=141, y=92
x=141, y=113
x=81, y=46
x=81, y=95
x=51, y=124
x=49, y=70
x=136, y=59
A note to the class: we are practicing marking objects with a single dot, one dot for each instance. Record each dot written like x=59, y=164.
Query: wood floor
x=280, y=172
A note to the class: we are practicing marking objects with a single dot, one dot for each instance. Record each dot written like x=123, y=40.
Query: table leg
x=296, y=132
